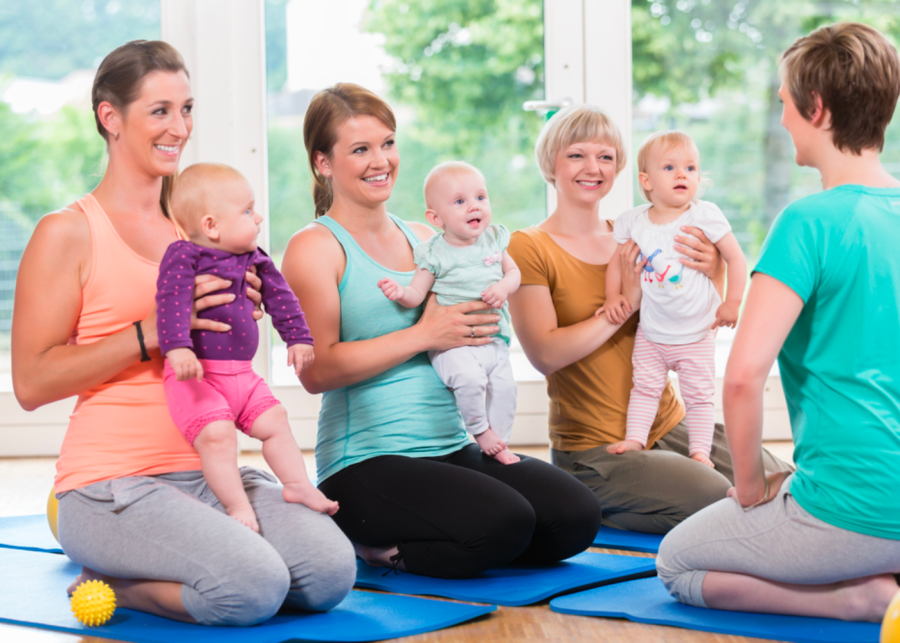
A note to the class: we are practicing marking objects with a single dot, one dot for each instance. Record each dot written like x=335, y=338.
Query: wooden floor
x=25, y=483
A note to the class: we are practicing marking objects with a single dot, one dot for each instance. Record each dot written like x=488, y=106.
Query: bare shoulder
x=421, y=230
x=64, y=233
x=313, y=248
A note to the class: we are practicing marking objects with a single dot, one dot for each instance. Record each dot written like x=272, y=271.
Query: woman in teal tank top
x=414, y=492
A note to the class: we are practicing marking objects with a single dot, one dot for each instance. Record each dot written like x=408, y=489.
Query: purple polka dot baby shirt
x=174, y=298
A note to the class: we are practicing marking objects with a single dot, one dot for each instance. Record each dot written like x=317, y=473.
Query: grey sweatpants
x=652, y=491
x=778, y=541
x=171, y=527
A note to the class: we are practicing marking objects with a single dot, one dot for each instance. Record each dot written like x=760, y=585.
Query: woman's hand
x=757, y=497
x=446, y=327
x=204, y=285
x=701, y=254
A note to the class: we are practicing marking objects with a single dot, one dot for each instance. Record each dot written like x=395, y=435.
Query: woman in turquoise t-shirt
x=824, y=541
x=414, y=492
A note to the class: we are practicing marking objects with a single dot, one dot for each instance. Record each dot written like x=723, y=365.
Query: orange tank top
x=121, y=427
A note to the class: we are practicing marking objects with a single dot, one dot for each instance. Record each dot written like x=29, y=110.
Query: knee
x=218, y=436
x=328, y=575
x=680, y=578
x=247, y=596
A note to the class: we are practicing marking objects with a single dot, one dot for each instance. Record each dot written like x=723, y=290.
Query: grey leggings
x=654, y=490
x=171, y=527
x=778, y=541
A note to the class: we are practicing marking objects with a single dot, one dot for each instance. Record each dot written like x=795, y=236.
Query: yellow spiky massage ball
x=890, y=626
x=93, y=602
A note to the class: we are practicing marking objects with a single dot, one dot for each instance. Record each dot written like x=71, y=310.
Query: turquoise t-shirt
x=840, y=364
x=461, y=274
x=406, y=410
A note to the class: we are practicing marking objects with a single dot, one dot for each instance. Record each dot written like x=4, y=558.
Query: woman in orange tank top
x=85, y=324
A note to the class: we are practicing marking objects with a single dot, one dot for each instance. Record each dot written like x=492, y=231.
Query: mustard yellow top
x=588, y=399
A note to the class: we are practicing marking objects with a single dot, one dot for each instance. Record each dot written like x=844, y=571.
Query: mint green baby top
x=406, y=410
x=840, y=364
x=461, y=274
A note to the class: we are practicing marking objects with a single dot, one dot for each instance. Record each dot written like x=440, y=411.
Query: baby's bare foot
x=306, y=494
x=506, y=457
x=490, y=443
x=244, y=514
x=704, y=459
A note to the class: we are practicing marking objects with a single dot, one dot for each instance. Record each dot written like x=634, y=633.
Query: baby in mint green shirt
x=468, y=261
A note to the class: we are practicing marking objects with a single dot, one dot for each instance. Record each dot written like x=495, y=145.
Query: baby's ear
x=209, y=227
x=432, y=218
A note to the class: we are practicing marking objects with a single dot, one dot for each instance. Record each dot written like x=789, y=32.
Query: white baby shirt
x=679, y=304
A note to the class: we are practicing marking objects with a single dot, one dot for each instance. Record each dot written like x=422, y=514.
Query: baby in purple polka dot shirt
x=209, y=380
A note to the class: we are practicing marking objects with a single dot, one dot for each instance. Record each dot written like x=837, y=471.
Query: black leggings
x=456, y=515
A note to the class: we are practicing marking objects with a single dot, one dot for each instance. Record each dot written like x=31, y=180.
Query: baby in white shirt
x=680, y=309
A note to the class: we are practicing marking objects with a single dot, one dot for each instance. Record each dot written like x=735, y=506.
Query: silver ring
x=473, y=332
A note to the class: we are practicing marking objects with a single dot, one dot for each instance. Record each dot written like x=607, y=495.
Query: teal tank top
x=405, y=410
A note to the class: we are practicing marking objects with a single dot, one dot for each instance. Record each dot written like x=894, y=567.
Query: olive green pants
x=652, y=491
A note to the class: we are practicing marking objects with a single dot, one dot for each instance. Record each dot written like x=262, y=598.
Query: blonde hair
x=196, y=188
x=576, y=124
x=443, y=168
x=327, y=111
x=855, y=71
x=118, y=82
x=667, y=139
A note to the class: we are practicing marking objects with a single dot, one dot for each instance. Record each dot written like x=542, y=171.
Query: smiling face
x=585, y=171
x=672, y=175
x=363, y=164
x=153, y=129
x=232, y=211
x=458, y=202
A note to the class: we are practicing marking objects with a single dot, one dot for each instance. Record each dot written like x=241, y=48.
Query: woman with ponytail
x=134, y=508
x=414, y=493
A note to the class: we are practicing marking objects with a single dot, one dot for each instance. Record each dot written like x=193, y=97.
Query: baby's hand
x=185, y=364
x=495, y=295
x=300, y=356
x=727, y=315
x=391, y=289
x=617, y=309
x=625, y=445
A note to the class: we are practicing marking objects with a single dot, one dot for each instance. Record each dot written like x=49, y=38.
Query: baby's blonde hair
x=194, y=189
x=455, y=167
x=668, y=139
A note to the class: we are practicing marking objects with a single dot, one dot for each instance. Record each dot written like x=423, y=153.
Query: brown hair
x=855, y=71
x=327, y=111
x=119, y=79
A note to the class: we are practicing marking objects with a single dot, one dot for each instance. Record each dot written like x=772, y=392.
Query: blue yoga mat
x=513, y=584
x=647, y=601
x=610, y=538
x=33, y=592
x=28, y=532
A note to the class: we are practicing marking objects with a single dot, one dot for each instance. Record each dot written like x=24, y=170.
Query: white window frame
x=587, y=59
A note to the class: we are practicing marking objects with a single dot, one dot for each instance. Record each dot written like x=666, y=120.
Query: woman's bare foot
x=489, y=442
x=162, y=598
x=625, y=445
x=379, y=556
x=244, y=514
x=506, y=457
x=306, y=494
x=703, y=459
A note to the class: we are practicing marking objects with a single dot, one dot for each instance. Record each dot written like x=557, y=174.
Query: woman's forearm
x=557, y=348
x=345, y=363
x=66, y=370
x=742, y=400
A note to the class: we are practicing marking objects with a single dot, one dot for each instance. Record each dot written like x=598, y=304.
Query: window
x=50, y=152
x=456, y=76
